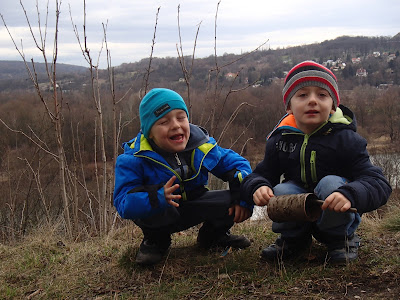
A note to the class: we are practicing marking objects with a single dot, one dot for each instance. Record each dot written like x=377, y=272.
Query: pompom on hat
x=156, y=104
x=310, y=73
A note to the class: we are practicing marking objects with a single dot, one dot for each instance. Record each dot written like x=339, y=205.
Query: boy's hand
x=169, y=188
x=262, y=195
x=336, y=202
x=240, y=213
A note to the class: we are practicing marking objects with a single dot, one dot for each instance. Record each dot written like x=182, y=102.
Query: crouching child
x=161, y=180
x=315, y=149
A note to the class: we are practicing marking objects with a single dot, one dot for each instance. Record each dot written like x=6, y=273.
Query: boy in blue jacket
x=315, y=148
x=161, y=178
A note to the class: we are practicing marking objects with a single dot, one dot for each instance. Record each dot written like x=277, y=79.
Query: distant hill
x=375, y=56
x=396, y=37
x=11, y=69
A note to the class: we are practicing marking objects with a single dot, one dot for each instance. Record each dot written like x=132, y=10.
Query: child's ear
x=289, y=111
x=151, y=135
x=333, y=110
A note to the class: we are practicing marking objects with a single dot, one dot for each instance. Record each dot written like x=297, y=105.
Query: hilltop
x=372, y=54
x=14, y=74
x=12, y=69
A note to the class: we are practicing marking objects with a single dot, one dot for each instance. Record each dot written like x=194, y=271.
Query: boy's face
x=311, y=106
x=171, y=132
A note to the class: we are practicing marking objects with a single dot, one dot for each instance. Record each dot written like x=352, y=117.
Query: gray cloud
x=241, y=25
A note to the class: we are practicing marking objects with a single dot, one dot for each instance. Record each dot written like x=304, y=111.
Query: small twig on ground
x=163, y=268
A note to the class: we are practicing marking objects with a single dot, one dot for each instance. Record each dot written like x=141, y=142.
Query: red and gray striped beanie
x=310, y=73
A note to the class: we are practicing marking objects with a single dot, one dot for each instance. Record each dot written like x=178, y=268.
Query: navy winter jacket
x=333, y=149
x=141, y=173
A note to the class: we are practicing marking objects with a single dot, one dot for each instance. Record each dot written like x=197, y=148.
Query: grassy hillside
x=46, y=267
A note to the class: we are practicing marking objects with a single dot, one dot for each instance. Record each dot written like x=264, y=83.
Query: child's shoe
x=223, y=241
x=342, y=252
x=151, y=252
x=285, y=248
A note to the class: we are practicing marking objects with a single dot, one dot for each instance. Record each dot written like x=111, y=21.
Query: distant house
x=329, y=63
x=356, y=60
x=338, y=66
x=384, y=86
x=361, y=72
x=376, y=54
x=48, y=87
x=287, y=61
x=334, y=65
x=230, y=75
x=391, y=57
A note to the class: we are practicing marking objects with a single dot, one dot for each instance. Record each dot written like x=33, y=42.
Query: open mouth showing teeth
x=177, y=137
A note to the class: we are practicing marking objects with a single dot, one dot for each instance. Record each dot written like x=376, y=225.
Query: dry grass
x=44, y=266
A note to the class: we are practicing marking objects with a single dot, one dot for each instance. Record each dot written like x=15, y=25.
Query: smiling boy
x=315, y=149
x=161, y=180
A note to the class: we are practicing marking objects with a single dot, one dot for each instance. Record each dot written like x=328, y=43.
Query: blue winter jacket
x=333, y=149
x=141, y=173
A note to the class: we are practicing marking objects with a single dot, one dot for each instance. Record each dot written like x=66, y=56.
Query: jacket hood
x=198, y=136
x=342, y=118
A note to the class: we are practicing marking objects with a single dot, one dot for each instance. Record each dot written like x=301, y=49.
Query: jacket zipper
x=178, y=161
x=181, y=185
x=303, y=160
x=313, y=166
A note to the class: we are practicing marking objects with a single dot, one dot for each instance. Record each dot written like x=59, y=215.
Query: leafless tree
x=54, y=112
x=214, y=117
x=103, y=193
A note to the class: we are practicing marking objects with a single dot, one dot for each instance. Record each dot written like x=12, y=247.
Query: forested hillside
x=375, y=54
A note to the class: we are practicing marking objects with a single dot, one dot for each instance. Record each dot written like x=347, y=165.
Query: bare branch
x=40, y=47
x=36, y=176
x=145, y=82
x=240, y=135
x=215, y=36
x=244, y=146
x=186, y=74
x=231, y=119
x=29, y=138
x=242, y=56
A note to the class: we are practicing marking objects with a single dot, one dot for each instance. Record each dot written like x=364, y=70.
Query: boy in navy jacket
x=315, y=148
x=160, y=180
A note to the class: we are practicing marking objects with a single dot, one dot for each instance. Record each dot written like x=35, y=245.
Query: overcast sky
x=242, y=25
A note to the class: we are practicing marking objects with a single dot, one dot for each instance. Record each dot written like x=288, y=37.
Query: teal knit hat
x=156, y=104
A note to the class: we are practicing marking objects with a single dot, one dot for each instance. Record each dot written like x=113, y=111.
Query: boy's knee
x=279, y=189
x=287, y=188
x=328, y=185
